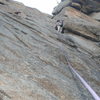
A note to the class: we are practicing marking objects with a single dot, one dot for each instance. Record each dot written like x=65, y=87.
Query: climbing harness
x=93, y=93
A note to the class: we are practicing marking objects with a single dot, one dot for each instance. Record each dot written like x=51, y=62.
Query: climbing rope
x=92, y=92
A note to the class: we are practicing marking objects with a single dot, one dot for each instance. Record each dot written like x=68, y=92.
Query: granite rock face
x=85, y=6
x=88, y=6
x=33, y=63
x=96, y=16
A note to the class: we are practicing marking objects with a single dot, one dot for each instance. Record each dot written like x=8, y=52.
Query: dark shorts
x=56, y=28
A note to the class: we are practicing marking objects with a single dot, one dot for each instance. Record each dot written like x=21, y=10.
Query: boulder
x=76, y=5
x=79, y=23
x=90, y=6
x=58, y=8
x=86, y=6
x=96, y=16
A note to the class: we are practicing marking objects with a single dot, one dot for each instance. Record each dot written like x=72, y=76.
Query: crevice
x=22, y=41
x=1, y=3
x=24, y=32
x=79, y=34
x=3, y=93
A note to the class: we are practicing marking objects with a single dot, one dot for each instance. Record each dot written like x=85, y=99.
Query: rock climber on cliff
x=59, y=26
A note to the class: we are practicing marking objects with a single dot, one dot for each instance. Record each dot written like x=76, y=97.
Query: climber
x=59, y=26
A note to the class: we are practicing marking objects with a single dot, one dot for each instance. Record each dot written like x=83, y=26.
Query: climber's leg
x=63, y=29
x=58, y=28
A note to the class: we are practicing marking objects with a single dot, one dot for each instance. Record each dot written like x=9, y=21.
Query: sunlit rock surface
x=33, y=63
